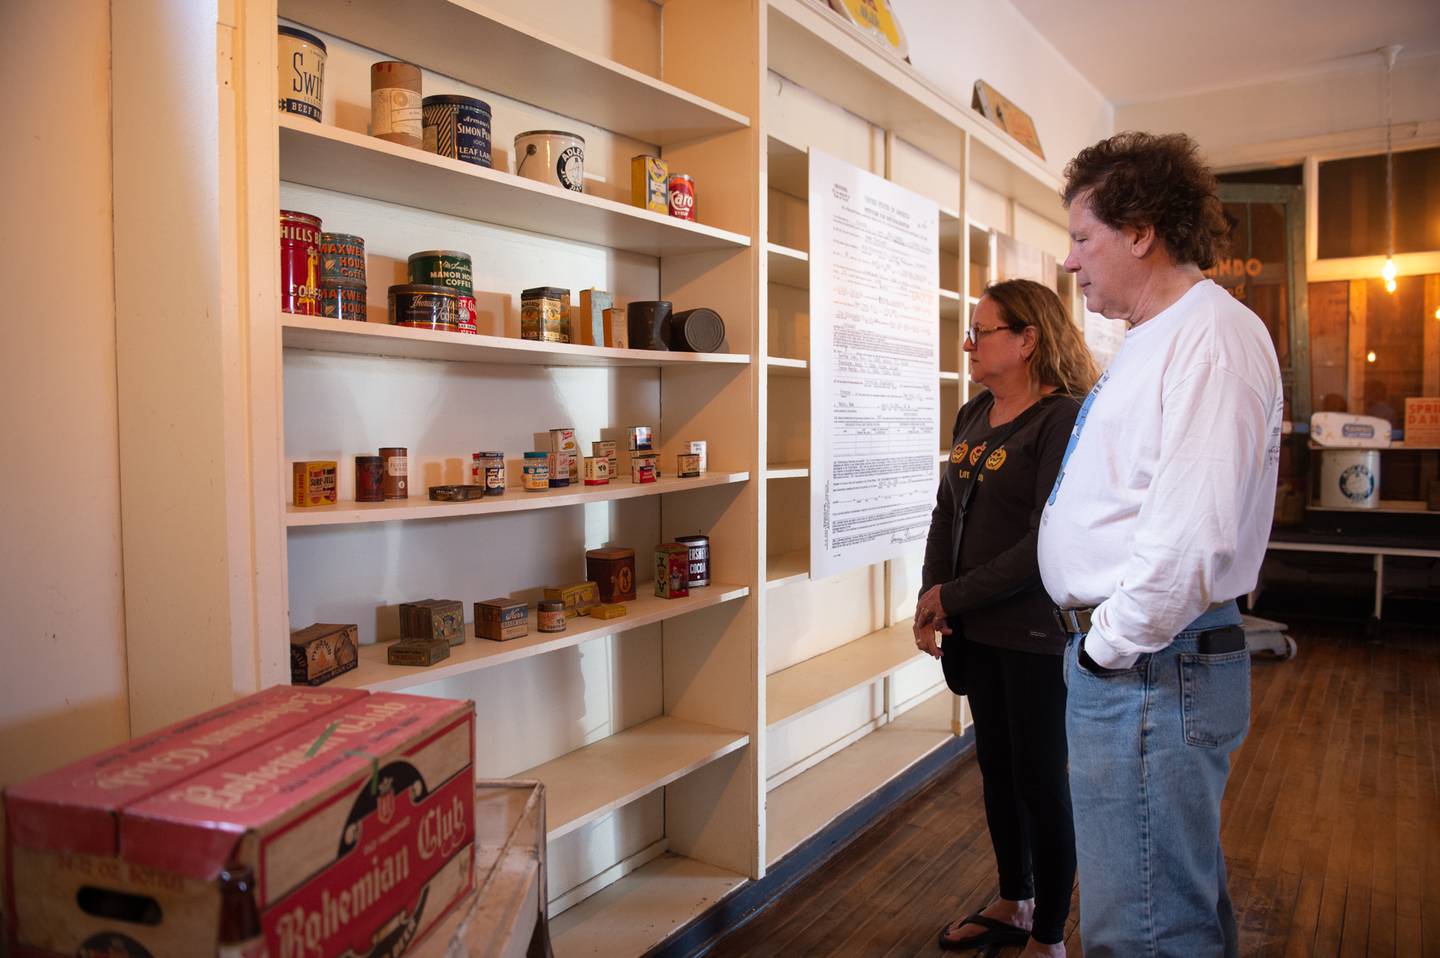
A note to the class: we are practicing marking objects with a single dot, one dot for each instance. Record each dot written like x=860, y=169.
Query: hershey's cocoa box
x=358, y=824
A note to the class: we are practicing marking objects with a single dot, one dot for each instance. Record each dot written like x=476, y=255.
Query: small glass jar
x=537, y=471
x=550, y=615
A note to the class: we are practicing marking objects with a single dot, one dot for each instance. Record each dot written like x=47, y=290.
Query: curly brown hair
x=1061, y=358
x=1159, y=180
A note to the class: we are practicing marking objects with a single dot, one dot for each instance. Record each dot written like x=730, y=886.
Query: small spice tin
x=456, y=493
x=562, y=439
x=458, y=127
x=315, y=483
x=299, y=263
x=537, y=471
x=501, y=619
x=699, y=547
x=419, y=652
x=550, y=616
x=597, y=471
x=672, y=570
x=645, y=320
x=613, y=571
x=321, y=652
x=551, y=156
x=642, y=468
x=369, y=479
x=545, y=314
x=561, y=465
x=698, y=330
x=421, y=306
x=604, y=449
x=300, y=59
x=682, y=196
x=442, y=619
x=617, y=329
x=451, y=269
x=396, y=484
x=687, y=465
x=696, y=447
x=650, y=183
x=642, y=438
x=343, y=302
x=395, y=102
x=607, y=610
x=578, y=598
x=342, y=260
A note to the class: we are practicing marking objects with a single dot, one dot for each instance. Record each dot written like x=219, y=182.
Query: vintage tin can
x=617, y=329
x=613, y=571
x=645, y=323
x=605, y=449
x=422, y=306
x=343, y=302
x=562, y=464
x=395, y=102
x=537, y=471
x=458, y=127
x=642, y=468
x=587, y=326
x=417, y=652
x=451, y=269
x=299, y=263
x=315, y=482
x=687, y=465
x=699, y=330
x=642, y=438
x=396, y=483
x=453, y=492
x=650, y=183
x=433, y=619
x=551, y=156
x=502, y=619
x=550, y=615
x=696, y=447
x=672, y=570
x=597, y=471
x=300, y=59
x=322, y=651
x=545, y=314
x=578, y=598
x=369, y=479
x=342, y=260
x=562, y=439
x=682, y=196
x=699, y=547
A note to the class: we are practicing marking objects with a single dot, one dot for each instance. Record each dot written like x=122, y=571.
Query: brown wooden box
x=322, y=651
x=502, y=619
x=433, y=619
x=613, y=571
x=579, y=597
x=420, y=652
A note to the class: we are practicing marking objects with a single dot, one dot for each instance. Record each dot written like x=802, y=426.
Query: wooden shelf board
x=788, y=267
x=950, y=226
x=487, y=50
x=949, y=304
x=788, y=470
x=332, y=158
x=1394, y=446
x=381, y=339
x=601, y=777
x=947, y=376
x=787, y=168
x=813, y=799
x=786, y=568
x=802, y=688
x=784, y=366
x=642, y=909
x=1405, y=507
x=374, y=674
x=514, y=500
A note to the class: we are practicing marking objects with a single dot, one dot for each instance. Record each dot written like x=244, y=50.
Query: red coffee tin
x=682, y=196
x=299, y=263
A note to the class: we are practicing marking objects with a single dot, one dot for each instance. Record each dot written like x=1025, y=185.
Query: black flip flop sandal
x=996, y=933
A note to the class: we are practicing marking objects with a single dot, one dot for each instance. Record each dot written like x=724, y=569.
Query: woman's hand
x=929, y=619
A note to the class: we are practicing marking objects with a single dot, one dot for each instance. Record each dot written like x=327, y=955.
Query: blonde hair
x=1061, y=358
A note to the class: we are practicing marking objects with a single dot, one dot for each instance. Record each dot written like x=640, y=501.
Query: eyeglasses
x=975, y=333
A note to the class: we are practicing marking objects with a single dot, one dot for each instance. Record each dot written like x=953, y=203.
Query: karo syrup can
x=299, y=263
x=682, y=196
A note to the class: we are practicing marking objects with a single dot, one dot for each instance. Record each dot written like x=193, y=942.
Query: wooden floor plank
x=1332, y=826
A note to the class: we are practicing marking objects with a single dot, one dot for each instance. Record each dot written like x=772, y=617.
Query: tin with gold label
x=422, y=306
x=545, y=314
x=451, y=269
x=299, y=263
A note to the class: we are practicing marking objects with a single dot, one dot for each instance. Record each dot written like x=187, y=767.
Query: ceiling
x=1135, y=51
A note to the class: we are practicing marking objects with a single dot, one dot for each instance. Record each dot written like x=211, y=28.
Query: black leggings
x=1018, y=702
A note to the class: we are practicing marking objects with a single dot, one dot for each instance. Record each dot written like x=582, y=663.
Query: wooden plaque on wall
x=1006, y=115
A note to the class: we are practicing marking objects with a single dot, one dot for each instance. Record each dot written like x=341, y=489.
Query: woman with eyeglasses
x=984, y=613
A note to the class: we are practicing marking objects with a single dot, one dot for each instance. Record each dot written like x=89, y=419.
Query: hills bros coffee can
x=682, y=196
x=299, y=263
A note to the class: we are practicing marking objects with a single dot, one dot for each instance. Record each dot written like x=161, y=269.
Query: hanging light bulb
x=1388, y=271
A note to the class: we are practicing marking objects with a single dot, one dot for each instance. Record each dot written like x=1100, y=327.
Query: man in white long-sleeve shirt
x=1158, y=520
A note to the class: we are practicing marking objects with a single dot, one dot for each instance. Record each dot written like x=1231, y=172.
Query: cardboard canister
x=1350, y=478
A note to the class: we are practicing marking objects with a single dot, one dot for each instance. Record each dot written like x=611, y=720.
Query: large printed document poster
x=874, y=366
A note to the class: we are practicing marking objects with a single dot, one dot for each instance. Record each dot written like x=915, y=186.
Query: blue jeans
x=1149, y=756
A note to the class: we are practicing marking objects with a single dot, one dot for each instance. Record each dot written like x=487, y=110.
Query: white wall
x=1280, y=121
x=62, y=684
x=956, y=42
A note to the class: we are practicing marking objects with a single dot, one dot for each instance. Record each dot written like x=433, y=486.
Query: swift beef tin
x=299, y=263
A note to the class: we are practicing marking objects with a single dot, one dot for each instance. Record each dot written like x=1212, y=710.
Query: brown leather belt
x=1077, y=621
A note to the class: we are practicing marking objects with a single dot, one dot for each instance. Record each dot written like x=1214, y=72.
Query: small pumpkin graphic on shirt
x=996, y=460
x=977, y=454
x=957, y=455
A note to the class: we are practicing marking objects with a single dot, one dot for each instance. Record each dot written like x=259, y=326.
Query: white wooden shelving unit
x=689, y=745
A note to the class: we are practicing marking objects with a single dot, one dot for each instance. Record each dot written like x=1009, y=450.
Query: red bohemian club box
x=355, y=811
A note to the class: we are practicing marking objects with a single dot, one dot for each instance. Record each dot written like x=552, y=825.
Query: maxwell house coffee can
x=299, y=263
x=682, y=196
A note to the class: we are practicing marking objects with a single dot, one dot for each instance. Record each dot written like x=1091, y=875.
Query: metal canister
x=545, y=314
x=300, y=59
x=699, y=547
x=561, y=465
x=343, y=302
x=395, y=102
x=551, y=156
x=457, y=127
x=369, y=479
x=687, y=465
x=342, y=260
x=299, y=263
x=696, y=447
x=451, y=269
x=682, y=196
x=422, y=306
x=550, y=615
x=396, y=481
